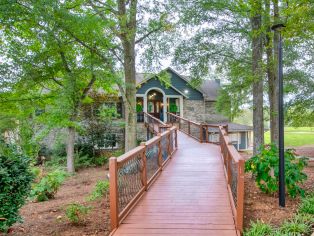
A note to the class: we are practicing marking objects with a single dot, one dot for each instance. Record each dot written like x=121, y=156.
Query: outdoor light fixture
x=282, y=197
x=186, y=91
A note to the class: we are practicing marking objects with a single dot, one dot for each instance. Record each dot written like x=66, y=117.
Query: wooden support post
x=240, y=195
x=113, y=193
x=144, y=171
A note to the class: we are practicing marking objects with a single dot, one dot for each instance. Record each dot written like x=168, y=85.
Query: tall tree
x=52, y=65
x=257, y=72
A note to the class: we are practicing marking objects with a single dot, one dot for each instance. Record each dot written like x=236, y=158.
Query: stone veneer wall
x=211, y=115
x=200, y=111
x=194, y=110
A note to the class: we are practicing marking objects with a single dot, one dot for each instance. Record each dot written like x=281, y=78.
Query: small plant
x=259, y=228
x=100, y=190
x=295, y=227
x=15, y=184
x=48, y=185
x=76, y=212
x=265, y=168
x=307, y=205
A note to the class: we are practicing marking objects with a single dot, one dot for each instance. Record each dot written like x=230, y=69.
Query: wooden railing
x=132, y=173
x=196, y=130
x=233, y=162
x=154, y=125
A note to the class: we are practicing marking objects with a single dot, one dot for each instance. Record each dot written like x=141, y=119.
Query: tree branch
x=148, y=34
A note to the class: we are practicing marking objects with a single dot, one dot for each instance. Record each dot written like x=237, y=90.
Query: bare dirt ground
x=48, y=218
x=260, y=206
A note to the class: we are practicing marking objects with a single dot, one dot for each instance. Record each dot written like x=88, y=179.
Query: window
x=110, y=142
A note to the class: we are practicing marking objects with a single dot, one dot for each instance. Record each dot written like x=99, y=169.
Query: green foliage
x=15, y=185
x=139, y=108
x=265, y=168
x=295, y=227
x=173, y=108
x=258, y=228
x=48, y=186
x=100, y=190
x=76, y=212
x=307, y=205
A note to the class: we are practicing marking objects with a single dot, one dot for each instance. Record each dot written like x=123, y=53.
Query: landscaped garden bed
x=49, y=217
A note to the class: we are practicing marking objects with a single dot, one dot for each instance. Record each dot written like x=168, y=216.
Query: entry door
x=154, y=108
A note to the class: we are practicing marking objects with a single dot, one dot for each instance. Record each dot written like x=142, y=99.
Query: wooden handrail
x=230, y=157
x=128, y=164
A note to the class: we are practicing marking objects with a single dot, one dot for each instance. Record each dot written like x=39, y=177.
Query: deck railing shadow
x=233, y=162
x=132, y=173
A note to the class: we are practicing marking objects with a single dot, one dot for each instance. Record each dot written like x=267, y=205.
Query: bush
x=265, y=168
x=101, y=189
x=48, y=185
x=75, y=212
x=15, y=185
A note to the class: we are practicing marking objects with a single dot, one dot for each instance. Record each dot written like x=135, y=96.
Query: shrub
x=265, y=168
x=15, y=185
x=75, y=212
x=100, y=190
x=259, y=228
x=48, y=185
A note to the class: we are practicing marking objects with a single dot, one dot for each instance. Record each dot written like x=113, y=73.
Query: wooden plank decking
x=190, y=197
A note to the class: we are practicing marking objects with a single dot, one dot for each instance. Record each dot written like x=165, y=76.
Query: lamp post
x=282, y=200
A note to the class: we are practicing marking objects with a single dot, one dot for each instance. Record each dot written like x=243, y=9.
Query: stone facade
x=211, y=114
x=194, y=110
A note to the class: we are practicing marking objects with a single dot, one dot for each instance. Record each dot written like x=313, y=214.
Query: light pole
x=282, y=196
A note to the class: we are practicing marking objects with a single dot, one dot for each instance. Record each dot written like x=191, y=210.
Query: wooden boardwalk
x=190, y=197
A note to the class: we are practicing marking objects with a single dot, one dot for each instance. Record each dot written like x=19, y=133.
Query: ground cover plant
x=265, y=169
x=300, y=224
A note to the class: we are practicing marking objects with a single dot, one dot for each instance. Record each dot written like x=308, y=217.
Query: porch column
x=145, y=103
x=164, y=109
x=181, y=106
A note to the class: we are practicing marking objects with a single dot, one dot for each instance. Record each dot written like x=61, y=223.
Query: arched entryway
x=155, y=103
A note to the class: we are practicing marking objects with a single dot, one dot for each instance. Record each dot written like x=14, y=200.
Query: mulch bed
x=48, y=218
x=260, y=206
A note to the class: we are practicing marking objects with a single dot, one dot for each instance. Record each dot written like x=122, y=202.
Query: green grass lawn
x=295, y=137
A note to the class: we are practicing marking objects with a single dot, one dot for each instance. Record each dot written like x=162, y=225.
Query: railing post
x=240, y=195
x=144, y=172
x=113, y=192
x=179, y=124
x=189, y=128
x=201, y=133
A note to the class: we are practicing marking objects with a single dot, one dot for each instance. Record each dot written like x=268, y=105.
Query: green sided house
x=180, y=98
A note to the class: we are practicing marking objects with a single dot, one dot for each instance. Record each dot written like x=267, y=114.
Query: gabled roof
x=209, y=88
x=232, y=127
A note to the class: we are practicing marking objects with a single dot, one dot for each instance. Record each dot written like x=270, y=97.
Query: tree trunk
x=257, y=56
x=130, y=94
x=273, y=82
x=70, y=149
